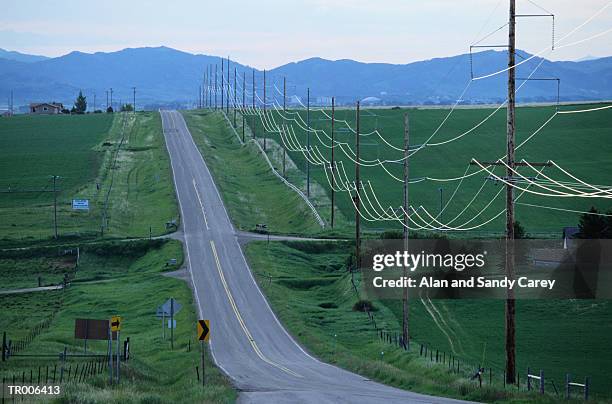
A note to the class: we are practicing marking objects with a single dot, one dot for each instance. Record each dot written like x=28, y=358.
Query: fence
x=569, y=384
x=10, y=347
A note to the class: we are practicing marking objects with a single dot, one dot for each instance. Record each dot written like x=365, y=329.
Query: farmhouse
x=46, y=108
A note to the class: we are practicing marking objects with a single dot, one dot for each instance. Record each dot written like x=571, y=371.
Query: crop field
x=309, y=287
x=117, y=162
x=579, y=143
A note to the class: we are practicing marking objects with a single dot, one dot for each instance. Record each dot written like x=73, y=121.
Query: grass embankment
x=311, y=292
x=92, y=162
x=118, y=279
x=577, y=142
x=251, y=193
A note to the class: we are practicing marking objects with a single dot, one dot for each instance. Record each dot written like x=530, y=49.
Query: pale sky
x=268, y=33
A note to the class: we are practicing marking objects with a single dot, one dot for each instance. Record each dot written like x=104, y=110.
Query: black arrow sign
x=204, y=330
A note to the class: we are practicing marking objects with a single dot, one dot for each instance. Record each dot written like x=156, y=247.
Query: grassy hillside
x=311, y=292
x=252, y=194
x=125, y=279
x=578, y=142
x=118, y=162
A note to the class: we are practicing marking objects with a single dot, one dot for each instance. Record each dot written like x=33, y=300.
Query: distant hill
x=20, y=57
x=165, y=76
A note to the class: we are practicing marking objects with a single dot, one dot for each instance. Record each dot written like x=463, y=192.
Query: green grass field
x=125, y=279
x=87, y=153
x=309, y=288
x=252, y=194
x=580, y=143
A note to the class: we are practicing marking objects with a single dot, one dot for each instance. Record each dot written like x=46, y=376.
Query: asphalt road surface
x=247, y=341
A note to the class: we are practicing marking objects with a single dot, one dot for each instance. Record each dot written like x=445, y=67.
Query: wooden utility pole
x=405, y=335
x=235, y=96
x=243, y=101
x=254, y=112
x=308, y=141
x=222, y=84
x=216, y=87
x=357, y=201
x=134, y=94
x=264, y=108
x=510, y=135
x=55, y=177
x=284, y=110
x=333, y=164
x=227, y=101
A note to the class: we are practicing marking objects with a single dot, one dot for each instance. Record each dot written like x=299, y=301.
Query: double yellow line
x=241, y=320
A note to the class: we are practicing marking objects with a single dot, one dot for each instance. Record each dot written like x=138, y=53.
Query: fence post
x=3, y=347
x=586, y=388
x=541, y=381
x=490, y=375
x=528, y=379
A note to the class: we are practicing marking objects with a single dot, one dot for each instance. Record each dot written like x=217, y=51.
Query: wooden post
x=203, y=364
x=333, y=163
x=110, y=355
x=222, y=83
x=528, y=379
x=235, y=95
x=284, y=111
x=510, y=302
x=308, y=141
x=586, y=388
x=357, y=202
x=171, y=323
x=405, y=226
x=243, y=101
x=264, y=108
x=541, y=381
x=567, y=385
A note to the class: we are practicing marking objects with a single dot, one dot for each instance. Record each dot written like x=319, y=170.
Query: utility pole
x=55, y=177
x=243, y=102
x=510, y=135
x=405, y=335
x=254, y=112
x=264, y=107
x=216, y=87
x=134, y=98
x=308, y=141
x=222, y=84
x=227, y=101
x=284, y=111
x=333, y=164
x=106, y=99
x=12, y=105
x=111, y=99
x=94, y=102
x=357, y=201
x=235, y=89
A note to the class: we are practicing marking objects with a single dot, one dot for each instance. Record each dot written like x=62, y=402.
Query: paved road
x=247, y=341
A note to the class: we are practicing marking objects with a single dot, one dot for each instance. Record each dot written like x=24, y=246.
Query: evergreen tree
x=594, y=226
x=80, y=105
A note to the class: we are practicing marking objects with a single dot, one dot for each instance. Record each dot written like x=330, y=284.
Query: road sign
x=204, y=330
x=88, y=328
x=115, y=323
x=80, y=204
x=165, y=309
x=171, y=323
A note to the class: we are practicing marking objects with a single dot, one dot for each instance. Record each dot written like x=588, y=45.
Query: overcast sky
x=268, y=33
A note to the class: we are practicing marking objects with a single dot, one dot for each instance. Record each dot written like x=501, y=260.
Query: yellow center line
x=241, y=320
x=201, y=204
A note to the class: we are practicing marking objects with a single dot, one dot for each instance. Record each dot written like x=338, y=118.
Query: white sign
x=171, y=323
x=80, y=204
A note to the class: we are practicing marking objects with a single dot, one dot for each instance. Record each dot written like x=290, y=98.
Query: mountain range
x=164, y=76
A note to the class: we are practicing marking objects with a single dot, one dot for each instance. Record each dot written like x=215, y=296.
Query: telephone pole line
x=308, y=141
x=405, y=335
x=333, y=164
x=222, y=84
x=111, y=99
x=253, y=120
x=357, y=201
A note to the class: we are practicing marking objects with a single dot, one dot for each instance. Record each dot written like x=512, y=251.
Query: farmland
x=577, y=142
x=117, y=162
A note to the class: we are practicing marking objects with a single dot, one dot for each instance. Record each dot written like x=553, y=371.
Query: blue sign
x=80, y=204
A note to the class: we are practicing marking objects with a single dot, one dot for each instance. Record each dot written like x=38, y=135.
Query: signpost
x=168, y=309
x=80, y=204
x=115, y=324
x=203, y=336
